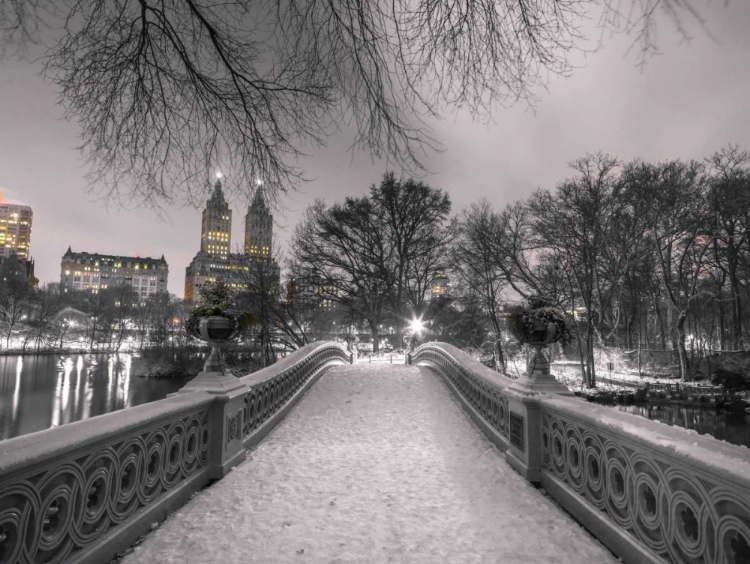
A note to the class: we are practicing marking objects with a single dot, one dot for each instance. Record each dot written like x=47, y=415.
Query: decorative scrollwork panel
x=679, y=514
x=269, y=396
x=50, y=514
x=486, y=399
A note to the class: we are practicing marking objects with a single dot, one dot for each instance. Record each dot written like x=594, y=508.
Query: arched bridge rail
x=648, y=491
x=651, y=493
x=85, y=491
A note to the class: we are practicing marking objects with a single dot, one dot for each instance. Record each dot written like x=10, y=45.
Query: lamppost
x=415, y=329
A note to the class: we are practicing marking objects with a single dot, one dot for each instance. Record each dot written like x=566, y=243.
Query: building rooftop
x=81, y=254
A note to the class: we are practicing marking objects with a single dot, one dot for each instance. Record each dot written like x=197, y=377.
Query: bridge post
x=226, y=413
x=227, y=421
x=524, y=452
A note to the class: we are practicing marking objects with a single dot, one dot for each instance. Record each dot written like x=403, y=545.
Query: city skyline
x=686, y=103
x=216, y=258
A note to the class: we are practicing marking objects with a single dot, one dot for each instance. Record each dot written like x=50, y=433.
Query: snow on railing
x=74, y=493
x=272, y=389
x=481, y=387
x=677, y=495
x=84, y=491
x=648, y=491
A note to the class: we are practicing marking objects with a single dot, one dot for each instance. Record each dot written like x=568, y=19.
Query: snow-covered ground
x=377, y=463
x=388, y=358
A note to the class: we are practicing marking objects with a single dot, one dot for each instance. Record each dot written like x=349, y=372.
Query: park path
x=377, y=463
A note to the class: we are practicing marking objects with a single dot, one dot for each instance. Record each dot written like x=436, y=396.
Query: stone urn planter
x=216, y=329
x=214, y=320
x=539, y=325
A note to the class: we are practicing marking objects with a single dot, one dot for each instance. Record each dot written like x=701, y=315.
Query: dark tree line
x=640, y=255
x=48, y=319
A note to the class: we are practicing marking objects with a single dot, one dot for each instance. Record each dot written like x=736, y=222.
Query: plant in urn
x=538, y=325
x=215, y=321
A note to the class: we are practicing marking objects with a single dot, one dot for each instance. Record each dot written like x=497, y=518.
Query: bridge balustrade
x=82, y=492
x=648, y=491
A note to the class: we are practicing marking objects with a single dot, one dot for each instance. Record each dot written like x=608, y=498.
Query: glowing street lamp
x=416, y=326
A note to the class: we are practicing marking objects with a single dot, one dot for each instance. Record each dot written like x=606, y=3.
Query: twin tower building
x=215, y=260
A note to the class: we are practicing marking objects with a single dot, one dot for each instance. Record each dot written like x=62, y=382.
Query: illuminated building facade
x=15, y=230
x=258, y=227
x=216, y=228
x=206, y=268
x=214, y=261
x=93, y=272
x=314, y=291
x=440, y=287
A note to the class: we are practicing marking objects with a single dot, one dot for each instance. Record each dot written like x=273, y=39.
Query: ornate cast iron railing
x=64, y=491
x=85, y=491
x=480, y=387
x=681, y=496
x=648, y=491
x=273, y=390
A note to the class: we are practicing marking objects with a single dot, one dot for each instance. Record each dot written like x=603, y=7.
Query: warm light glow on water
x=65, y=392
x=111, y=384
x=126, y=381
x=39, y=392
x=17, y=387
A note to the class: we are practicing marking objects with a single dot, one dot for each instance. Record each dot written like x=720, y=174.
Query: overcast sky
x=687, y=103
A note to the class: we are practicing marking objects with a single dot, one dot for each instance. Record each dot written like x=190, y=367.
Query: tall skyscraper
x=258, y=226
x=215, y=261
x=15, y=231
x=216, y=231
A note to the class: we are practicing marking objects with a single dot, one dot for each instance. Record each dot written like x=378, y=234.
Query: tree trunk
x=640, y=337
x=590, y=369
x=582, y=357
x=499, y=357
x=590, y=360
x=661, y=324
x=722, y=325
x=682, y=351
x=734, y=289
x=375, y=338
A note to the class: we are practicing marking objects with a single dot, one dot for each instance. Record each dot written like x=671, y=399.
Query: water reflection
x=17, y=389
x=39, y=392
x=732, y=427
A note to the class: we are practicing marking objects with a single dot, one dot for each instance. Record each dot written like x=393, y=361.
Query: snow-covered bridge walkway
x=377, y=463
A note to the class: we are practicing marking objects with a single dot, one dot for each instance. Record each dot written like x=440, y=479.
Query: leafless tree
x=46, y=303
x=258, y=283
x=378, y=255
x=476, y=266
x=729, y=196
x=339, y=253
x=682, y=231
x=167, y=91
x=15, y=296
x=593, y=226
